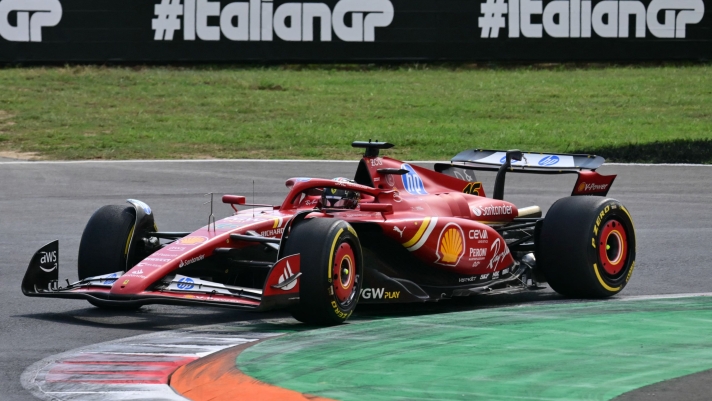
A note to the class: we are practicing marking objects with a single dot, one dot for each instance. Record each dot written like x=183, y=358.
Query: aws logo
x=48, y=261
x=451, y=245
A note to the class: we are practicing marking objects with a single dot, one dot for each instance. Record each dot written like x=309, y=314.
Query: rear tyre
x=332, y=270
x=105, y=244
x=586, y=247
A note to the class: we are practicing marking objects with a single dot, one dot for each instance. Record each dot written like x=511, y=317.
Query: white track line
x=179, y=161
x=617, y=298
x=21, y=161
x=661, y=296
x=292, y=161
x=658, y=165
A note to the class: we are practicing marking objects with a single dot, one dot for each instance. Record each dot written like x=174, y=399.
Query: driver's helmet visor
x=339, y=198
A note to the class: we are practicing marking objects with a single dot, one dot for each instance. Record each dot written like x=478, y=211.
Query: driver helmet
x=340, y=198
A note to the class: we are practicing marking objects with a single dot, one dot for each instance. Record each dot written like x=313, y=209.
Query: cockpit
x=329, y=197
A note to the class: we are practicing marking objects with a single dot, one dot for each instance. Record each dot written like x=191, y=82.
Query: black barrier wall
x=353, y=30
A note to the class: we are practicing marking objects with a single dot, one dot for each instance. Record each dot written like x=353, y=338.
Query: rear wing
x=589, y=181
x=539, y=162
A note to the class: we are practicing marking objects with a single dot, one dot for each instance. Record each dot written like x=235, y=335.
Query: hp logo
x=549, y=160
x=110, y=279
x=186, y=283
x=412, y=182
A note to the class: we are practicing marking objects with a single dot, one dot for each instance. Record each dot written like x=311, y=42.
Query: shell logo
x=192, y=240
x=451, y=245
x=582, y=187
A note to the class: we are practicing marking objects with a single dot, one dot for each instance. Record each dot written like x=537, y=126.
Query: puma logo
x=399, y=231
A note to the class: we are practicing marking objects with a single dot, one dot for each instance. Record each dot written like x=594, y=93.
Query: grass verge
x=282, y=112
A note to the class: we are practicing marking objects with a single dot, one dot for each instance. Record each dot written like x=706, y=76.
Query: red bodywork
x=446, y=223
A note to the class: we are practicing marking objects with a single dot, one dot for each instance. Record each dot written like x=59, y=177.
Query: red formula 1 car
x=395, y=233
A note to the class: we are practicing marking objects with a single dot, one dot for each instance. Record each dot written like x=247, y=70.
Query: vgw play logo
x=23, y=20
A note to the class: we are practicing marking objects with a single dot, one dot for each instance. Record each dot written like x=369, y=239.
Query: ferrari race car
x=396, y=232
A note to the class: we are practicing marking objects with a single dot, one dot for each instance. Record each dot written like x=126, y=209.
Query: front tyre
x=332, y=270
x=105, y=244
x=586, y=247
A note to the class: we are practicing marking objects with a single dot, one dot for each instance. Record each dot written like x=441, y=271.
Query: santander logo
x=491, y=210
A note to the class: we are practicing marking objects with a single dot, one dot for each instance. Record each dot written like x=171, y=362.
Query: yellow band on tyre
x=603, y=283
x=128, y=240
x=333, y=248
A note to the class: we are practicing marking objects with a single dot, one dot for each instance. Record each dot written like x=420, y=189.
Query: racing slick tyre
x=586, y=247
x=332, y=270
x=104, y=245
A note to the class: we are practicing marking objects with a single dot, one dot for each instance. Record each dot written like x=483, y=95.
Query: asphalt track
x=43, y=201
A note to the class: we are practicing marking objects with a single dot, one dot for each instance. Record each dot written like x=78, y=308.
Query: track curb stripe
x=134, y=368
x=216, y=378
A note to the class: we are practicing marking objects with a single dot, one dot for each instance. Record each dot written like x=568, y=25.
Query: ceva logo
x=31, y=17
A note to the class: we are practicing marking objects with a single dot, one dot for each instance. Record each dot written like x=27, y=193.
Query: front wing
x=281, y=289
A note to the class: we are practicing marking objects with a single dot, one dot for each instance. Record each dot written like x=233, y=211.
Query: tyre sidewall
x=607, y=211
x=568, y=247
x=343, y=232
x=316, y=240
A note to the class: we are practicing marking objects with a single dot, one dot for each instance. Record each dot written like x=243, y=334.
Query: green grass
x=283, y=112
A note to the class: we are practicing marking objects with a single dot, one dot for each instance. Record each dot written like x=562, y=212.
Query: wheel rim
x=613, y=247
x=344, y=273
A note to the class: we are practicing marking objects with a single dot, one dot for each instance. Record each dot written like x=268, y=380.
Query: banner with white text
x=203, y=31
